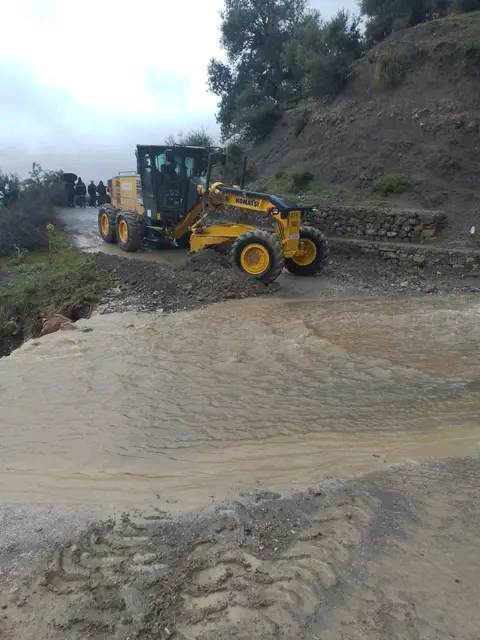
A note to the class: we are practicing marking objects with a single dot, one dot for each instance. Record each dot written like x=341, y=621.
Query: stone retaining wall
x=377, y=223
x=413, y=256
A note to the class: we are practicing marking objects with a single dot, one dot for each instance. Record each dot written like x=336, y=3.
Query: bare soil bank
x=393, y=555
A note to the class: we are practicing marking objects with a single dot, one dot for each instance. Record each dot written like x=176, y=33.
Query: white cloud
x=98, y=51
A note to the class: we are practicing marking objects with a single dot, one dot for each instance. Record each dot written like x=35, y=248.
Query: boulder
x=56, y=322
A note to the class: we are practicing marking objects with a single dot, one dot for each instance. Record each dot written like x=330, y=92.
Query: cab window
x=189, y=166
x=160, y=160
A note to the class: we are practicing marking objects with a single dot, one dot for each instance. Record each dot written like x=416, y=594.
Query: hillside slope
x=411, y=107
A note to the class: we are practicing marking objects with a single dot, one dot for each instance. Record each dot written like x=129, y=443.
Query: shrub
x=23, y=223
x=391, y=183
x=391, y=67
x=301, y=181
x=26, y=207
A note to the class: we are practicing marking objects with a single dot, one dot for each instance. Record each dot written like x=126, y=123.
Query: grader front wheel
x=130, y=229
x=259, y=255
x=312, y=253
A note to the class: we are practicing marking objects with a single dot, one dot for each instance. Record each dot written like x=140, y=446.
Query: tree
x=254, y=79
x=9, y=189
x=320, y=55
x=194, y=138
x=38, y=177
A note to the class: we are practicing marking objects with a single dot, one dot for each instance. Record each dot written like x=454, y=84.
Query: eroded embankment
x=393, y=555
x=36, y=285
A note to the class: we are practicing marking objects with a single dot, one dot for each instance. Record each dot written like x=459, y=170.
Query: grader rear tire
x=313, y=253
x=107, y=224
x=259, y=255
x=130, y=231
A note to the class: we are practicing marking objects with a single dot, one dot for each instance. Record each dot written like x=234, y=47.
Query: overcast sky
x=81, y=83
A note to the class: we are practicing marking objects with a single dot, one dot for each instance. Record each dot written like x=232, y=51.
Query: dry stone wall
x=377, y=223
x=434, y=259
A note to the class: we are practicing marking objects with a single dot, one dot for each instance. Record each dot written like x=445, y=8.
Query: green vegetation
x=391, y=183
x=36, y=284
x=301, y=181
x=391, y=66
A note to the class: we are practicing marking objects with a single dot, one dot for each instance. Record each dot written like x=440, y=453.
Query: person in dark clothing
x=92, y=194
x=102, y=193
x=80, y=193
x=70, y=193
x=168, y=170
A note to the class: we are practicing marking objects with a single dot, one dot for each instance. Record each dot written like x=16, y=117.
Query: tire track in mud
x=261, y=566
x=329, y=563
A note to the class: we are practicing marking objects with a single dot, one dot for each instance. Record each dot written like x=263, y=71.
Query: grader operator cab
x=172, y=197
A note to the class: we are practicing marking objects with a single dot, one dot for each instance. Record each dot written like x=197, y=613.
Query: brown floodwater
x=263, y=391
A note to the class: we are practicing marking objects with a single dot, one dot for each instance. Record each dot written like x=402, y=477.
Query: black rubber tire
x=323, y=251
x=270, y=242
x=111, y=236
x=184, y=241
x=136, y=232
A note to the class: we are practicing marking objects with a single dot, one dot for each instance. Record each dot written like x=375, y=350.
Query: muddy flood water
x=282, y=393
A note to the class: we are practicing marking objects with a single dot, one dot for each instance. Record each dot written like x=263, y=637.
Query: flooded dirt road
x=137, y=415
x=191, y=405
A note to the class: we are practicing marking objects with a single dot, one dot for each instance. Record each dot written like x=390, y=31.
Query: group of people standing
x=77, y=193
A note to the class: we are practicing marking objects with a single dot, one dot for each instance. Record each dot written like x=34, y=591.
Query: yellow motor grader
x=172, y=196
